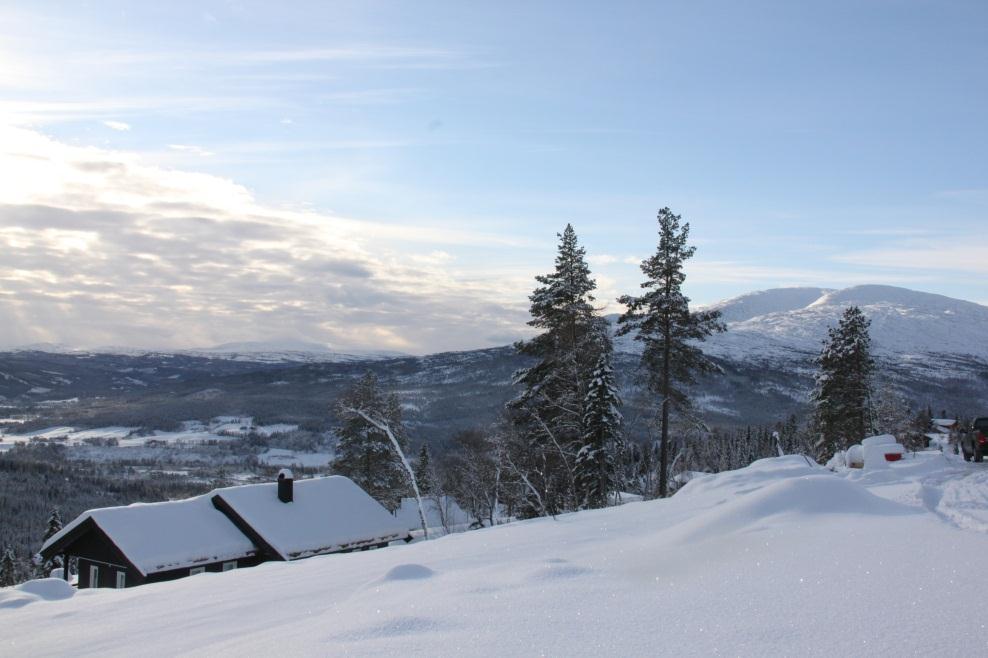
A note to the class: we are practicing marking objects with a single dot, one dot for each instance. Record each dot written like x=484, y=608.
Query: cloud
x=726, y=271
x=102, y=248
x=117, y=125
x=947, y=256
x=190, y=148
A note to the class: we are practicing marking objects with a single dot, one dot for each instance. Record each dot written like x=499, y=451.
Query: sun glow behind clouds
x=116, y=251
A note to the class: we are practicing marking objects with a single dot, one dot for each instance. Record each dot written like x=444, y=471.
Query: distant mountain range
x=931, y=348
x=276, y=351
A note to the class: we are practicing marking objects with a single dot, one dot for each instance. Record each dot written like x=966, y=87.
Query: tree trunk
x=664, y=437
x=384, y=427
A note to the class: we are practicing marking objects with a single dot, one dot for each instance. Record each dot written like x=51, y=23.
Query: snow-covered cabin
x=225, y=529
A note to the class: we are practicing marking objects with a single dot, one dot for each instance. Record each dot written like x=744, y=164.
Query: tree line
x=560, y=445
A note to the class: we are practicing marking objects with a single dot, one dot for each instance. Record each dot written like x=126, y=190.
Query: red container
x=892, y=456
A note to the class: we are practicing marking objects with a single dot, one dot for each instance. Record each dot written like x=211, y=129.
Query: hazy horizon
x=372, y=176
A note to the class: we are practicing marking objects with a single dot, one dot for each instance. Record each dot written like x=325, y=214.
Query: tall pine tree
x=364, y=452
x=548, y=414
x=661, y=319
x=842, y=396
x=596, y=475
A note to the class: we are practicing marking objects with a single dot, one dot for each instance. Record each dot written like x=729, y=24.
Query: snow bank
x=704, y=487
x=842, y=575
x=44, y=589
x=798, y=499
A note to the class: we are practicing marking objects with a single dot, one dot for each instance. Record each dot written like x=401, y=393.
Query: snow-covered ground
x=283, y=457
x=71, y=435
x=780, y=558
x=221, y=428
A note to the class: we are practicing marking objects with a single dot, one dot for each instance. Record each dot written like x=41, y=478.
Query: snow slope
x=780, y=558
x=787, y=322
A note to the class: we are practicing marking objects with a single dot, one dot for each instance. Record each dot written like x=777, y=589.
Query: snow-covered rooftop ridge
x=168, y=535
x=328, y=514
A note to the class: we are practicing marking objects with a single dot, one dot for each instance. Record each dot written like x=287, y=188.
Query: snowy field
x=283, y=457
x=779, y=558
x=193, y=432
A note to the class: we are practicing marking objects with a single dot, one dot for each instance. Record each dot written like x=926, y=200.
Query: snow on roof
x=328, y=514
x=170, y=535
x=944, y=422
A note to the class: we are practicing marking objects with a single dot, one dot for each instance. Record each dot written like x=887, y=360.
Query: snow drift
x=785, y=558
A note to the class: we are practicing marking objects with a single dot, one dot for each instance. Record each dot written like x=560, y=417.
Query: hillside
x=932, y=349
x=779, y=558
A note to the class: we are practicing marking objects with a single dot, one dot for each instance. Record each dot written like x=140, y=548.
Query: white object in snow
x=855, y=456
x=880, y=450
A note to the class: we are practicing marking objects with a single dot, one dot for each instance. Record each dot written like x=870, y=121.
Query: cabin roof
x=169, y=535
x=327, y=514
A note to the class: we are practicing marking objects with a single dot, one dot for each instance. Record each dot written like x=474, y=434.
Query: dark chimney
x=285, y=486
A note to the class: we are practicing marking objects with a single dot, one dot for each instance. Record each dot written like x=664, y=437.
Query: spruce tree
x=53, y=527
x=364, y=452
x=548, y=414
x=424, y=474
x=661, y=319
x=596, y=476
x=8, y=568
x=842, y=395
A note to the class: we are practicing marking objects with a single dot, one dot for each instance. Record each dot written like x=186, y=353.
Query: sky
x=392, y=175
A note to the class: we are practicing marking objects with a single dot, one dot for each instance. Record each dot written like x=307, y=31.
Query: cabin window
x=197, y=570
x=121, y=579
x=230, y=566
x=93, y=576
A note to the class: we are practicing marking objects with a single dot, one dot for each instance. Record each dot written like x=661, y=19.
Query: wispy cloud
x=117, y=125
x=946, y=256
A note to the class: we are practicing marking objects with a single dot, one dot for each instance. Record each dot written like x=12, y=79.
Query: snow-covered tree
x=842, y=397
x=54, y=525
x=424, y=472
x=661, y=319
x=364, y=452
x=548, y=414
x=891, y=415
x=473, y=474
x=595, y=461
x=8, y=568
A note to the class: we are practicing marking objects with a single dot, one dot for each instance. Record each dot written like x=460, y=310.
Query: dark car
x=974, y=444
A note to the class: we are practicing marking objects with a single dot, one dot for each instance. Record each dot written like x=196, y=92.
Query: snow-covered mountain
x=277, y=351
x=905, y=324
x=282, y=351
x=931, y=348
